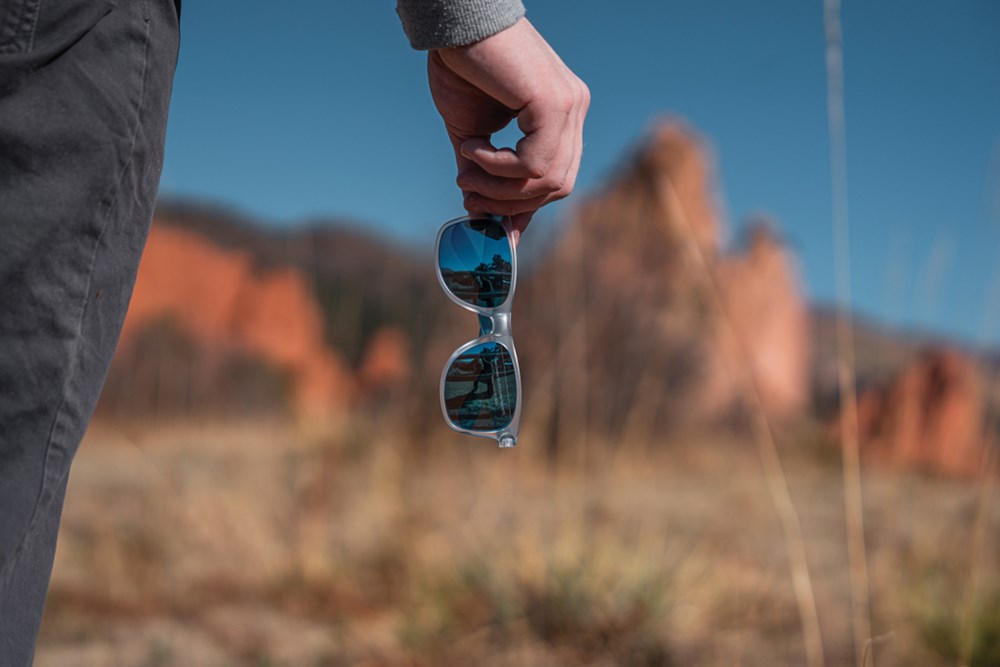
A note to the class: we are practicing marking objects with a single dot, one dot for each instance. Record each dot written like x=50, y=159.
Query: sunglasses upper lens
x=474, y=258
x=480, y=388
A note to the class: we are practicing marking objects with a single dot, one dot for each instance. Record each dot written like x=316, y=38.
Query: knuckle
x=549, y=184
x=536, y=167
x=562, y=98
x=523, y=206
x=570, y=183
x=567, y=102
x=469, y=178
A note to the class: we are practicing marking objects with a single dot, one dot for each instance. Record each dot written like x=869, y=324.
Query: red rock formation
x=760, y=293
x=929, y=416
x=385, y=365
x=673, y=155
x=219, y=299
x=633, y=295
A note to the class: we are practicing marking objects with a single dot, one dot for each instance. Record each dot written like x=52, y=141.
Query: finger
x=461, y=162
x=544, y=130
x=497, y=199
x=519, y=223
x=502, y=162
x=543, y=125
x=560, y=179
x=476, y=203
x=476, y=180
x=519, y=196
x=568, y=166
x=582, y=109
x=576, y=143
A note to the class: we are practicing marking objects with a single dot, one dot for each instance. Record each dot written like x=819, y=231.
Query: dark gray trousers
x=84, y=89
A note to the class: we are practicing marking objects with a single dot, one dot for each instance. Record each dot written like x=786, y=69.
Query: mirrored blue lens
x=474, y=258
x=480, y=388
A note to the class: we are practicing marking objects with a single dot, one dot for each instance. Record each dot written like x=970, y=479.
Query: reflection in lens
x=480, y=389
x=475, y=261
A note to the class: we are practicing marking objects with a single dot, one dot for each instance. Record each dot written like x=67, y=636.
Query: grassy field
x=264, y=544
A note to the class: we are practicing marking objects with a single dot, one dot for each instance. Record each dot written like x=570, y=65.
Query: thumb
x=519, y=223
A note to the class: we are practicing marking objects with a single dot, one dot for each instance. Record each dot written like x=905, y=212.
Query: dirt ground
x=266, y=544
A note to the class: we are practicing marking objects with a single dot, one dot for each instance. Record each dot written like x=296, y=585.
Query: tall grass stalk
x=853, y=499
x=987, y=471
x=774, y=472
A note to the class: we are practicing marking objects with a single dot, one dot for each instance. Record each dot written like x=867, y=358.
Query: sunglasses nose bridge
x=497, y=324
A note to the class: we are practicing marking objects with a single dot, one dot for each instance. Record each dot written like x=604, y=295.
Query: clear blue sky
x=297, y=109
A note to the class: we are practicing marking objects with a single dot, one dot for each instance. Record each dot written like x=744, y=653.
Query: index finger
x=543, y=126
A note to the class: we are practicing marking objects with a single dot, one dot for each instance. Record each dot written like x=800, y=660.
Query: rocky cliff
x=219, y=299
x=929, y=416
x=650, y=317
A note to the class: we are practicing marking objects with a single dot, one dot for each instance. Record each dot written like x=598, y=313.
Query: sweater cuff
x=440, y=24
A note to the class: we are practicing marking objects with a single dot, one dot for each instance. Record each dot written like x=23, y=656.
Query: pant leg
x=84, y=89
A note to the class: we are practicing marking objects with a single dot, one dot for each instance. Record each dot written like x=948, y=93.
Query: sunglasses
x=481, y=383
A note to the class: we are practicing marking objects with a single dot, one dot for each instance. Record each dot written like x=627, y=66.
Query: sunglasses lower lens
x=480, y=388
x=474, y=258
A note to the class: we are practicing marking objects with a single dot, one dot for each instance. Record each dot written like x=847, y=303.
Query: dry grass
x=263, y=545
x=846, y=367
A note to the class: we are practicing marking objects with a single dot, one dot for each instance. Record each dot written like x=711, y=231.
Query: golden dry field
x=267, y=544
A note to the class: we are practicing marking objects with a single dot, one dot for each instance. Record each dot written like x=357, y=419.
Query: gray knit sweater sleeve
x=438, y=24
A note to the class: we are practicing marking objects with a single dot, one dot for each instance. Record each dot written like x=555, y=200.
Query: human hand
x=478, y=89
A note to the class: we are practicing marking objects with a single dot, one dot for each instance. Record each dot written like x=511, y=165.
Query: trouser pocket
x=17, y=25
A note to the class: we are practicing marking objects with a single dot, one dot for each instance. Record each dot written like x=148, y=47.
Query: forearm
x=438, y=24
